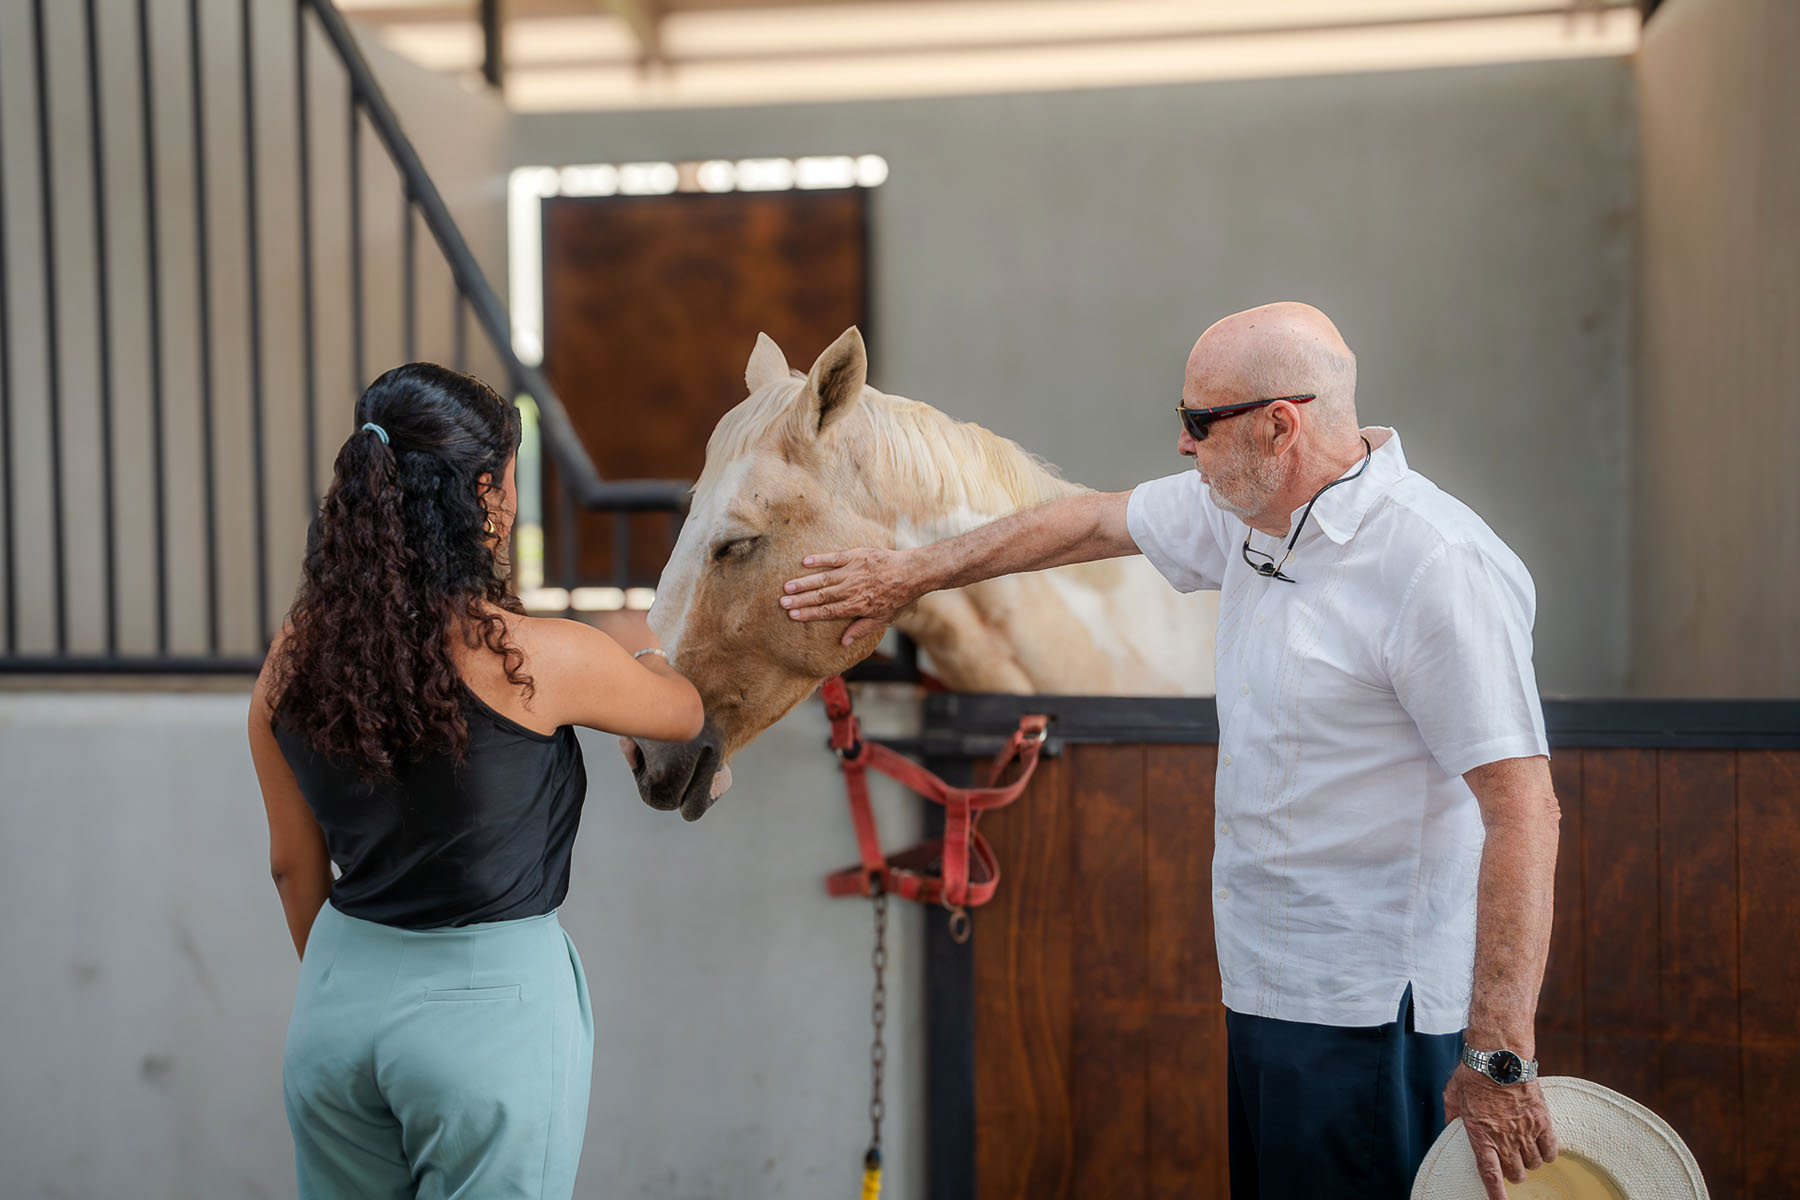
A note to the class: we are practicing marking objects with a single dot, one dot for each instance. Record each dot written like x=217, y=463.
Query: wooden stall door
x=1100, y=1042
x=651, y=307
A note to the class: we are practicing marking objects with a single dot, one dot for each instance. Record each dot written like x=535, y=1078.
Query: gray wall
x=1043, y=262
x=1717, y=547
x=460, y=134
x=149, y=975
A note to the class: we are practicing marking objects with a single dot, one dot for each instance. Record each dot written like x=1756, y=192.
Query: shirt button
x=1224, y=895
x=1262, y=618
x=1224, y=830
x=1226, y=760
x=1244, y=688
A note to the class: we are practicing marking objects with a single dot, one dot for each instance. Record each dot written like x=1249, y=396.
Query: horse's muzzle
x=688, y=776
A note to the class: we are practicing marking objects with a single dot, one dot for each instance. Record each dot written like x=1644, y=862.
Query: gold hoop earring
x=487, y=527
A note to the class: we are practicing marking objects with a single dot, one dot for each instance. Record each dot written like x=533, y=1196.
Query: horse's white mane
x=934, y=461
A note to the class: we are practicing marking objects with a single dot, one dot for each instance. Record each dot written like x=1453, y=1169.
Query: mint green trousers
x=440, y=1064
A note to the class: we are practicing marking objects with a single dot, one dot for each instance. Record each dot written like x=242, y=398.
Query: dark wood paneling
x=651, y=307
x=1620, y=870
x=1187, y=1022
x=1701, y=1093
x=1768, y=806
x=1023, y=992
x=1562, y=1008
x=1673, y=975
x=1108, y=1084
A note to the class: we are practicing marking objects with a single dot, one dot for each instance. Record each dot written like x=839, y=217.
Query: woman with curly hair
x=413, y=726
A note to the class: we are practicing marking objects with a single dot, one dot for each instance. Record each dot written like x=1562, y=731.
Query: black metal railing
x=208, y=572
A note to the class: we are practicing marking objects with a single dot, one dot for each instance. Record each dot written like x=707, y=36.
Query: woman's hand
x=867, y=585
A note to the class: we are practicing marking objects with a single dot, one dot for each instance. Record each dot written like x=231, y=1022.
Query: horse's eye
x=734, y=549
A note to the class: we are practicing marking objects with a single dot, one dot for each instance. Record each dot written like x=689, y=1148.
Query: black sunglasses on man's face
x=1198, y=420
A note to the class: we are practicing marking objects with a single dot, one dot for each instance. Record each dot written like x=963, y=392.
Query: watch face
x=1505, y=1067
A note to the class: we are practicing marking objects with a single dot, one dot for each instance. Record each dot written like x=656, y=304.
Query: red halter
x=961, y=878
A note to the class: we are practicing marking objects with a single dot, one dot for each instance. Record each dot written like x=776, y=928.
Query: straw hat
x=1610, y=1147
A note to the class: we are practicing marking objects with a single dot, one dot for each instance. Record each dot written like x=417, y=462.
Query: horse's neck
x=1095, y=628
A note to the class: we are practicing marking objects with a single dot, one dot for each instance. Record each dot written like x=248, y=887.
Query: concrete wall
x=460, y=134
x=1043, y=262
x=149, y=975
x=1716, y=608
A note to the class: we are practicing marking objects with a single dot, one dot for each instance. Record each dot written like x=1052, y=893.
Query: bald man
x=1383, y=867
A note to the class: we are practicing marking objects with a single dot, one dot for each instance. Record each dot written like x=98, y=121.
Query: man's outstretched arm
x=871, y=586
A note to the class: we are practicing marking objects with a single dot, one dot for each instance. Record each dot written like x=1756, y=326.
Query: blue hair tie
x=379, y=431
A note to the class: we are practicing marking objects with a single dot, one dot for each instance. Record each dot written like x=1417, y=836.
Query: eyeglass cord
x=1272, y=569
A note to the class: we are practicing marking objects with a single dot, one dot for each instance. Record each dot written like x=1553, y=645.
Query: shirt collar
x=1340, y=511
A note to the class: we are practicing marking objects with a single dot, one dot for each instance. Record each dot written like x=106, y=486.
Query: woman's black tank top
x=442, y=844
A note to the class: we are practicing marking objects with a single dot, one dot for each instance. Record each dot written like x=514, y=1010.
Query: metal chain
x=878, y=1017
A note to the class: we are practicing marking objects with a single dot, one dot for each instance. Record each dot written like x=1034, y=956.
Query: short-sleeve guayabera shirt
x=1350, y=704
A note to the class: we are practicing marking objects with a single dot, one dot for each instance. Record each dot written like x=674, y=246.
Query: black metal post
x=461, y=352
x=356, y=247
x=308, y=354
x=252, y=234
x=153, y=257
x=7, y=507
x=408, y=270
x=566, y=541
x=621, y=571
x=103, y=310
x=53, y=347
x=209, y=481
x=493, y=43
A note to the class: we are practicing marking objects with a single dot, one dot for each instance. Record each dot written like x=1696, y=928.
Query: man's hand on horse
x=869, y=586
x=1508, y=1127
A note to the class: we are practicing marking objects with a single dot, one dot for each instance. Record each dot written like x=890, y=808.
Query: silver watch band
x=1504, y=1067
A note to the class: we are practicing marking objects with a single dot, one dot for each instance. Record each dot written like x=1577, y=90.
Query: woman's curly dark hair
x=398, y=560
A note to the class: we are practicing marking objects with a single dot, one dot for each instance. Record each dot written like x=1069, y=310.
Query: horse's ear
x=836, y=381
x=767, y=364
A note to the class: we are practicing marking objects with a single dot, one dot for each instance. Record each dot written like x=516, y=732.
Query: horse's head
x=783, y=477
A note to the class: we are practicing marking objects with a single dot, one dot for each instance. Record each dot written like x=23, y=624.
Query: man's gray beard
x=1259, y=477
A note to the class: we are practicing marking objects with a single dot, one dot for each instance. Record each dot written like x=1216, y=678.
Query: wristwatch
x=1502, y=1066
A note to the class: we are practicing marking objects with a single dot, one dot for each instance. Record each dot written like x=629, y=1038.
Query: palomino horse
x=821, y=462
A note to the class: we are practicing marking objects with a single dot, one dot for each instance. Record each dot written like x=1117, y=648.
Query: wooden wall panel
x=1768, y=805
x=651, y=307
x=1700, y=1093
x=1620, y=870
x=1023, y=990
x=1111, y=1027
x=1674, y=972
x=1187, y=1130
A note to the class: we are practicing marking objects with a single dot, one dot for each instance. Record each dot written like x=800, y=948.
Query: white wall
x=1718, y=432
x=1043, y=262
x=149, y=975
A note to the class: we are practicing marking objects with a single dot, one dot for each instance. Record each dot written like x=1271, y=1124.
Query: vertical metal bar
x=566, y=549
x=462, y=332
x=53, y=355
x=7, y=507
x=356, y=247
x=153, y=255
x=621, y=572
x=309, y=366
x=253, y=239
x=409, y=255
x=197, y=88
x=103, y=307
x=493, y=43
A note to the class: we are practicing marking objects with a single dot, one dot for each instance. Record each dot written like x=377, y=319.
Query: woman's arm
x=592, y=680
x=298, y=860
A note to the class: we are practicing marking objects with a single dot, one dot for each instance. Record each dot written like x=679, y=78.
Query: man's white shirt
x=1351, y=702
